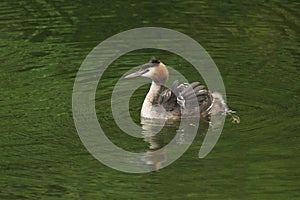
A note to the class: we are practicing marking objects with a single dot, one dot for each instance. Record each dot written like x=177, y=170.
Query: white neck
x=148, y=102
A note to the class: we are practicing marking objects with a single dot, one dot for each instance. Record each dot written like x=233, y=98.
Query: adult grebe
x=164, y=103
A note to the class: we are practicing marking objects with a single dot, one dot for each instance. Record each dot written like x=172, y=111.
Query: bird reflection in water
x=158, y=134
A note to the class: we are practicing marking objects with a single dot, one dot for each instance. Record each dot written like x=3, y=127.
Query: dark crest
x=152, y=63
x=154, y=60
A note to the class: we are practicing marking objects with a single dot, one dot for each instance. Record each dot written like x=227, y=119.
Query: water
x=255, y=46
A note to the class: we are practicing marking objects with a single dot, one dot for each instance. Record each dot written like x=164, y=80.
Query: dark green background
x=255, y=45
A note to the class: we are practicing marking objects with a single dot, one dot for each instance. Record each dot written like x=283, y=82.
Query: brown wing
x=174, y=99
x=204, y=97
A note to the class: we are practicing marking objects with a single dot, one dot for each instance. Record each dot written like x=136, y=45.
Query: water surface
x=255, y=45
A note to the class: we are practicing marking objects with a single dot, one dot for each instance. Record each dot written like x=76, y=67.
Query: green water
x=255, y=46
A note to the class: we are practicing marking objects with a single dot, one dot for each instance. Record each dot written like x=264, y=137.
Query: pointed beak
x=137, y=74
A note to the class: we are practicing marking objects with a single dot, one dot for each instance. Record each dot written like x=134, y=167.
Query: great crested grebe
x=164, y=103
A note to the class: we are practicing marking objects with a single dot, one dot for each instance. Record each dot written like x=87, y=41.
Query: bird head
x=154, y=69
